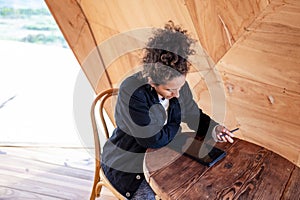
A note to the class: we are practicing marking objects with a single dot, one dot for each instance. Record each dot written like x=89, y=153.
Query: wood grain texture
x=257, y=44
x=269, y=100
x=248, y=171
x=269, y=52
x=293, y=186
x=161, y=159
x=160, y=166
x=88, y=24
x=99, y=22
x=213, y=183
x=27, y=175
x=120, y=17
x=220, y=23
x=9, y=193
x=262, y=122
x=261, y=77
x=263, y=182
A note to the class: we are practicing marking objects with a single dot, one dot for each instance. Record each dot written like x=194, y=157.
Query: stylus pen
x=223, y=134
x=234, y=130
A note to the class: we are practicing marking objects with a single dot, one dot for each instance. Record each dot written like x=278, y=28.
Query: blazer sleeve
x=195, y=118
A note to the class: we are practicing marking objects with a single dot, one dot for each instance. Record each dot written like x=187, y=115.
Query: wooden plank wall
x=86, y=24
x=262, y=78
x=259, y=71
x=219, y=23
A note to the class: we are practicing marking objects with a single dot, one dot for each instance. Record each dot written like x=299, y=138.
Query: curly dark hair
x=166, y=53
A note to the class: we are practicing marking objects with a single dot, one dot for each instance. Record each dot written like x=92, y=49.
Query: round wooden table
x=247, y=172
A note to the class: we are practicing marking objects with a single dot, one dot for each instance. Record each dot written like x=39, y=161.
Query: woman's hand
x=223, y=134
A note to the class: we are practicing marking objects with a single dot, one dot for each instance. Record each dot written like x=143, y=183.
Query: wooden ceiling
x=255, y=46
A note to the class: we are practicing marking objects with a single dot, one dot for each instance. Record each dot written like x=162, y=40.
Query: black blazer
x=140, y=122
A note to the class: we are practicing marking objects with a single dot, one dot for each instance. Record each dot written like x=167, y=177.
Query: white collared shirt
x=165, y=103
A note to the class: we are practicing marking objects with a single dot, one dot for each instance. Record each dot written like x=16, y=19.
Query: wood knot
x=238, y=184
x=228, y=165
x=209, y=186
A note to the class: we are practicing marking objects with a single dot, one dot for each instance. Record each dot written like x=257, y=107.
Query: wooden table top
x=248, y=171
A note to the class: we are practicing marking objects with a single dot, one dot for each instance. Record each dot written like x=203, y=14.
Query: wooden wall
x=219, y=23
x=259, y=74
x=86, y=24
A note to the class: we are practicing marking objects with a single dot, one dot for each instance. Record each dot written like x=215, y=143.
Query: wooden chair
x=99, y=178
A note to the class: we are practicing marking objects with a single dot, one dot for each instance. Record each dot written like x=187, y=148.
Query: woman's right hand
x=223, y=134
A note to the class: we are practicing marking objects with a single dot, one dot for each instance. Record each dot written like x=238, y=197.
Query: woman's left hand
x=223, y=134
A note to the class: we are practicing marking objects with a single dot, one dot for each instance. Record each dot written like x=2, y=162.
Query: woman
x=150, y=108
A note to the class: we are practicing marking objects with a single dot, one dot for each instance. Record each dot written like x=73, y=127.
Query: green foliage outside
x=22, y=12
x=30, y=25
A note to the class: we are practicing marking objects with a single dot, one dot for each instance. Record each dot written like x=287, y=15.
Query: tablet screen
x=201, y=152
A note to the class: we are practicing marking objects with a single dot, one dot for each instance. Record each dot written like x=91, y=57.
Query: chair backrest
x=100, y=100
x=100, y=179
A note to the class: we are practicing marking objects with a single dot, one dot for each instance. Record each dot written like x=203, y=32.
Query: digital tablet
x=209, y=157
x=198, y=150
